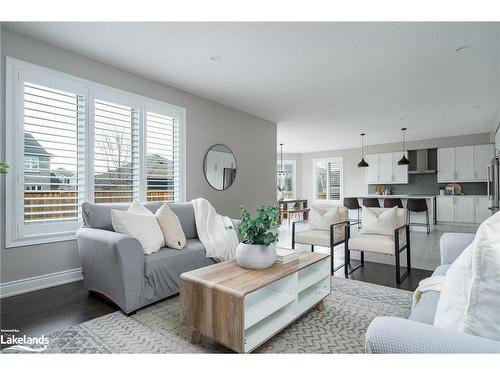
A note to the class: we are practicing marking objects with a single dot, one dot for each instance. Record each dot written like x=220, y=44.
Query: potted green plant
x=260, y=234
x=4, y=168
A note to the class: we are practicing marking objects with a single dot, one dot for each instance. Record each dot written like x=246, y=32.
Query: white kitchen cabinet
x=483, y=212
x=464, y=209
x=464, y=163
x=400, y=171
x=446, y=164
x=482, y=156
x=384, y=169
x=371, y=172
x=445, y=208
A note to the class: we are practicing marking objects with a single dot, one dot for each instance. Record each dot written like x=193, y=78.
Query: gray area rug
x=157, y=329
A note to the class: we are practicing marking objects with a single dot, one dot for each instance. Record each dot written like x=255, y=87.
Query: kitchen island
x=416, y=217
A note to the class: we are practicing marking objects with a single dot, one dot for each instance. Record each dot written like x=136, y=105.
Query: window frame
x=31, y=169
x=17, y=72
x=328, y=160
x=294, y=174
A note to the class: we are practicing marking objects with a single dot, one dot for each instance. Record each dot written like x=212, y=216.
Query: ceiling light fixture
x=284, y=94
x=478, y=107
x=461, y=48
x=363, y=163
x=215, y=57
x=404, y=160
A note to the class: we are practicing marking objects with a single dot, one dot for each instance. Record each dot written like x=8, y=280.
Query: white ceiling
x=339, y=79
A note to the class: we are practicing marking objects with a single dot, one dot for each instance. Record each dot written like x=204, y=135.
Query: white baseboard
x=12, y=288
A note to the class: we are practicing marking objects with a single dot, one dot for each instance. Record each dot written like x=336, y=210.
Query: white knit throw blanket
x=431, y=283
x=219, y=241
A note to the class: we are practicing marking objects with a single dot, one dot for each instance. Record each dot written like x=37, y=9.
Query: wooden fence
x=63, y=205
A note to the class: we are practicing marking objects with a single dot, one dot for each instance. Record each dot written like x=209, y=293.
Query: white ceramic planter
x=255, y=257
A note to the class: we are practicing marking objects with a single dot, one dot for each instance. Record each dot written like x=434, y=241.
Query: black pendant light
x=363, y=163
x=404, y=160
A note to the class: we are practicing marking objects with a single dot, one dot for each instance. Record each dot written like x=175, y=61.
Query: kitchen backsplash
x=427, y=184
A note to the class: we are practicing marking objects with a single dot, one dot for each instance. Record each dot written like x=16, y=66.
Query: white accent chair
x=393, y=244
x=330, y=238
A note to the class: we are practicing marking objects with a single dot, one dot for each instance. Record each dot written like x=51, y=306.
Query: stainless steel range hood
x=420, y=162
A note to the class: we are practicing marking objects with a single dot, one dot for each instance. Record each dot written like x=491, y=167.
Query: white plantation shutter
x=53, y=123
x=162, y=157
x=288, y=179
x=334, y=177
x=328, y=179
x=70, y=140
x=116, y=152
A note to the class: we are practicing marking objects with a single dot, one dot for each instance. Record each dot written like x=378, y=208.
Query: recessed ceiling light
x=402, y=118
x=284, y=94
x=461, y=48
x=215, y=57
x=478, y=107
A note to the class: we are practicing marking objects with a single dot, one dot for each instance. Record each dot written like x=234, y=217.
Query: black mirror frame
x=205, y=164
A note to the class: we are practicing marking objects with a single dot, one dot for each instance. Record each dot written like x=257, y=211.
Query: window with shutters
x=328, y=179
x=288, y=179
x=162, y=157
x=71, y=140
x=116, y=152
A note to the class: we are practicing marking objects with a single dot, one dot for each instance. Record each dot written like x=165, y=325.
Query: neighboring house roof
x=32, y=147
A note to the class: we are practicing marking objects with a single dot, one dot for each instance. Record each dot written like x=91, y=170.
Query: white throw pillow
x=322, y=218
x=171, y=227
x=141, y=224
x=381, y=221
x=470, y=297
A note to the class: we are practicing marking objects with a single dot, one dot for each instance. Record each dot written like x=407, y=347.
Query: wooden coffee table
x=243, y=308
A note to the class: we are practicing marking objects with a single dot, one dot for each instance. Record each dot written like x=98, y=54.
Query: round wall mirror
x=220, y=167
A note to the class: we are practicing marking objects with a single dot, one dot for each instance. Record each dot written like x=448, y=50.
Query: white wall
x=253, y=141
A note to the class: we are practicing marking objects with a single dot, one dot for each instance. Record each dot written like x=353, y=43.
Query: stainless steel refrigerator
x=494, y=185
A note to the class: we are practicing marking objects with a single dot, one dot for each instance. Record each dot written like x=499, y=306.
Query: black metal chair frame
x=397, y=253
x=427, y=224
x=332, y=242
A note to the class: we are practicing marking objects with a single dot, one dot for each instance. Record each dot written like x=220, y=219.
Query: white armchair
x=323, y=231
x=391, y=244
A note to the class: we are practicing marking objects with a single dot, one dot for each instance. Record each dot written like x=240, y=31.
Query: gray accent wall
x=252, y=139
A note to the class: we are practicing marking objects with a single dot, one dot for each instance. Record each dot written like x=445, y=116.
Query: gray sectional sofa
x=417, y=333
x=114, y=265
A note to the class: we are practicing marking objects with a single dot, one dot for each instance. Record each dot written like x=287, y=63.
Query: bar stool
x=417, y=205
x=371, y=202
x=353, y=204
x=392, y=202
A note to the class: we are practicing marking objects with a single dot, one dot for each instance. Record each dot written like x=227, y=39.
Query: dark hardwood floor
x=60, y=307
